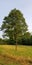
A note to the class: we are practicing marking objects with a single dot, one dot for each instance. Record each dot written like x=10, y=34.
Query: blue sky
x=25, y=6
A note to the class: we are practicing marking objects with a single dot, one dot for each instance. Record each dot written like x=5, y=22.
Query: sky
x=25, y=6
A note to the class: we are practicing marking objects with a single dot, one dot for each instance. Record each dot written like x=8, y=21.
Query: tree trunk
x=16, y=46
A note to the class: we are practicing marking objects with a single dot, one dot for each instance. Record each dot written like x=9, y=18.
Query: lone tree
x=14, y=25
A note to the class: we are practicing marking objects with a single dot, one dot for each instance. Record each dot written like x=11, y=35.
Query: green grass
x=9, y=50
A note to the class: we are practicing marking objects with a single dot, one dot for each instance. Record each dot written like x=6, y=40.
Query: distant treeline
x=23, y=41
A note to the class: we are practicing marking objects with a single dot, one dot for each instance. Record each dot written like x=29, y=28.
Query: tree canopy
x=14, y=25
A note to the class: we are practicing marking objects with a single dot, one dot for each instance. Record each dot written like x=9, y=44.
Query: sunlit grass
x=21, y=50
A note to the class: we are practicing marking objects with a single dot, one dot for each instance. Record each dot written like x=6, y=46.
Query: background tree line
x=25, y=40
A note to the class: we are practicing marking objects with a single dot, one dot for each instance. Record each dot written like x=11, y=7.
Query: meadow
x=9, y=56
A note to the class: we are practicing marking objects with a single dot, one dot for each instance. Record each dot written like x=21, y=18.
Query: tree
x=26, y=38
x=31, y=40
x=14, y=25
x=27, y=35
x=1, y=41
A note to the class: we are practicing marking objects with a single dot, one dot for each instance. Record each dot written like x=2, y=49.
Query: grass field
x=9, y=56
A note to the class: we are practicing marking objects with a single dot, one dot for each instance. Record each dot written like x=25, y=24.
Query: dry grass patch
x=6, y=59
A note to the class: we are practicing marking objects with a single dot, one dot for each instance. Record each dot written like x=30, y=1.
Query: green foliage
x=2, y=41
x=14, y=25
x=26, y=39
